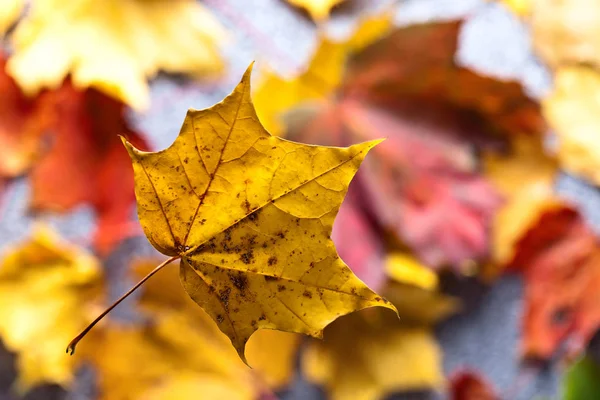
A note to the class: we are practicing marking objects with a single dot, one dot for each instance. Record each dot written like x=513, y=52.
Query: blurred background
x=477, y=217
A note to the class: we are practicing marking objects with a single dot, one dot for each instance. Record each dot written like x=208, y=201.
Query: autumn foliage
x=326, y=227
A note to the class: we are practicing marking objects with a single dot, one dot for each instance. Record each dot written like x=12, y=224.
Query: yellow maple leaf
x=9, y=12
x=250, y=216
x=276, y=95
x=573, y=110
x=365, y=359
x=47, y=292
x=113, y=45
x=318, y=9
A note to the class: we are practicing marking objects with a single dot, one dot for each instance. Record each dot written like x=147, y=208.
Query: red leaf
x=469, y=385
x=560, y=259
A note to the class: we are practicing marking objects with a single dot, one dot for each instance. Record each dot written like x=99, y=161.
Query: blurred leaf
x=318, y=9
x=9, y=12
x=423, y=184
x=573, y=110
x=519, y=7
x=276, y=95
x=525, y=176
x=559, y=256
x=368, y=358
x=113, y=45
x=48, y=291
x=582, y=380
x=566, y=32
x=406, y=269
x=250, y=216
x=470, y=385
x=86, y=163
x=22, y=122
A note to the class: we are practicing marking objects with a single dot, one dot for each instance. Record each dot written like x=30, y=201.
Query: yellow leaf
x=566, y=31
x=276, y=95
x=366, y=359
x=318, y=9
x=525, y=177
x=175, y=352
x=47, y=294
x=250, y=216
x=573, y=111
x=413, y=289
x=113, y=45
x=407, y=269
x=272, y=354
x=9, y=12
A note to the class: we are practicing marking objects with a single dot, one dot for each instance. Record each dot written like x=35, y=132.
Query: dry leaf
x=113, y=46
x=368, y=358
x=566, y=32
x=250, y=215
x=48, y=291
x=276, y=95
x=573, y=110
x=318, y=9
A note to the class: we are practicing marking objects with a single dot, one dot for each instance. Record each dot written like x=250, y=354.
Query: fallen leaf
x=250, y=216
x=582, y=380
x=566, y=32
x=48, y=291
x=86, y=163
x=525, y=176
x=11, y=9
x=559, y=257
x=469, y=385
x=272, y=354
x=113, y=46
x=275, y=95
x=572, y=110
x=368, y=358
x=318, y=9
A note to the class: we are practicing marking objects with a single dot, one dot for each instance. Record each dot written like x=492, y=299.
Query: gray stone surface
x=273, y=34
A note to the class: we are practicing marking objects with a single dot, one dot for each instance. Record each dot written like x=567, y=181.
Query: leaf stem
x=73, y=343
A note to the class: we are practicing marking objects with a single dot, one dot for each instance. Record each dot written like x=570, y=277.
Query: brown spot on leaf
x=269, y=278
x=307, y=294
x=239, y=280
x=281, y=288
x=272, y=260
x=224, y=297
x=281, y=235
x=220, y=319
x=262, y=317
x=247, y=257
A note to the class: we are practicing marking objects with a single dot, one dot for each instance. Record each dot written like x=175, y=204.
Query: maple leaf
x=581, y=380
x=48, y=290
x=318, y=9
x=113, y=46
x=559, y=257
x=572, y=111
x=469, y=385
x=250, y=216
